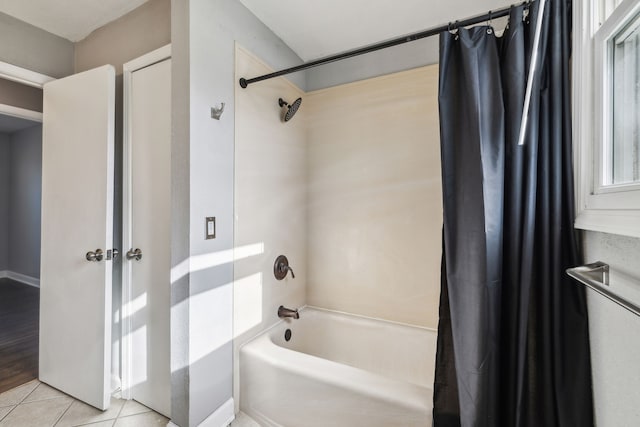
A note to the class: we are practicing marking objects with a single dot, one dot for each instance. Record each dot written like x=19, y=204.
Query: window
x=607, y=115
x=625, y=92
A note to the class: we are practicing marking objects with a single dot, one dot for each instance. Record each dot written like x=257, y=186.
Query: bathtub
x=338, y=370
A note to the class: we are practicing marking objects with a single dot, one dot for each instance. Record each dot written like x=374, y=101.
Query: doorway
x=76, y=239
x=20, y=203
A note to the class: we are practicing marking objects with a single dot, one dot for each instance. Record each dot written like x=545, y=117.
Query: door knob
x=134, y=254
x=96, y=256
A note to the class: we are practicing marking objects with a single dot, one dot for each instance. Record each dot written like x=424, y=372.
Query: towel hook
x=216, y=112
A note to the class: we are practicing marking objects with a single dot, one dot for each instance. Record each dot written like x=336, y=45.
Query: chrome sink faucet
x=284, y=312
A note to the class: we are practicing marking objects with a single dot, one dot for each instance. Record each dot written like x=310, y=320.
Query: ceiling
x=10, y=124
x=311, y=28
x=71, y=19
x=314, y=29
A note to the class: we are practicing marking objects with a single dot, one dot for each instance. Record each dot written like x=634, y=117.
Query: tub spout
x=284, y=312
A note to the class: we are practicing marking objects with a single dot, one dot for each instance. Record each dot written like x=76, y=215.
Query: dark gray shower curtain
x=513, y=346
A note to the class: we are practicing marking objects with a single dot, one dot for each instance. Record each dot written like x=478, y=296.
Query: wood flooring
x=19, y=328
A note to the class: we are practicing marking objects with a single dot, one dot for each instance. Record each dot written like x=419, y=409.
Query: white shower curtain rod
x=389, y=43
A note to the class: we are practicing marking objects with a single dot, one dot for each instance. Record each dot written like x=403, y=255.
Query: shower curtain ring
x=490, y=23
x=453, y=29
x=525, y=12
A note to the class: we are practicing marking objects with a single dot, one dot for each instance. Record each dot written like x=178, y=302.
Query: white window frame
x=612, y=208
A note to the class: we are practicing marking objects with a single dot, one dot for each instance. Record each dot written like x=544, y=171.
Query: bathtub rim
x=377, y=319
x=327, y=310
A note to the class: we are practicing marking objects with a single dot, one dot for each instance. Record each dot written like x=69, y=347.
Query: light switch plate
x=210, y=227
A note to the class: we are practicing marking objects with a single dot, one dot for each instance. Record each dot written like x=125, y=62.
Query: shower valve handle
x=284, y=268
x=281, y=268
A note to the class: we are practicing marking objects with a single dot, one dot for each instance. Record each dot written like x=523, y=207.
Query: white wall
x=24, y=202
x=203, y=37
x=615, y=332
x=34, y=49
x=270, y=200
x=375, y=202
x=4, y=199
x=21, y=96
x=146, y=28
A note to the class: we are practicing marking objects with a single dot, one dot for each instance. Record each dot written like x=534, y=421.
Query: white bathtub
x=339, y=370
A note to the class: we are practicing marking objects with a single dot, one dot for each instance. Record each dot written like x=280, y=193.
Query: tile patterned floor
x=37, y=405
x=243, y=420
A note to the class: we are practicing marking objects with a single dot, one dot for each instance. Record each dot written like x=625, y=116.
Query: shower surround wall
x=350, y=187
x=375, y=202
x=270, y=200
x=349, y=190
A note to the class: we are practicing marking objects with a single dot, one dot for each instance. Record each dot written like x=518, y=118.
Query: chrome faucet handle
x=281, y=268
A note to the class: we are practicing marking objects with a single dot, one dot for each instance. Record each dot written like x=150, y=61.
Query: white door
x=77, y=218
x=148, y=196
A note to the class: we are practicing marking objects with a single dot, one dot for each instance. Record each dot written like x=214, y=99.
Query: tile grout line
x=66, y=410
x=7, y=414
x=150, y=411
x=96, y=422
x=42, y=400
x=22, y=400
x=31, y=392
x=45, y=399
x=63, y=413
x=81, y=425
x=120, y=411
x=132, y=415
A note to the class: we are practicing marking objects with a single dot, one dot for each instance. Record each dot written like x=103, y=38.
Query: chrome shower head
x=291, y=109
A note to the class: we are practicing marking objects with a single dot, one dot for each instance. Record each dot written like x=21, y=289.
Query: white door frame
x=128, y=69
x=25, y=77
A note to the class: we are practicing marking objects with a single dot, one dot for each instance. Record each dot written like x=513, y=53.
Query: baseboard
x=222, y=417
x=26, y=280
